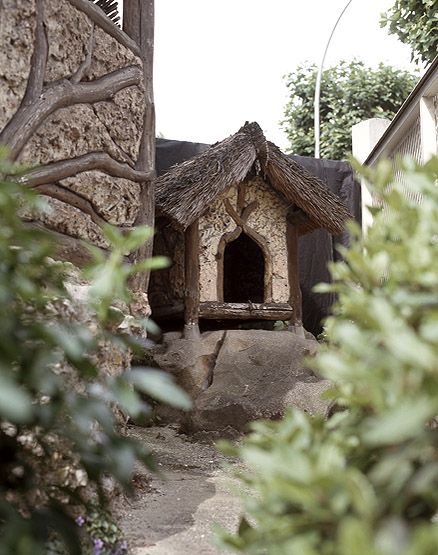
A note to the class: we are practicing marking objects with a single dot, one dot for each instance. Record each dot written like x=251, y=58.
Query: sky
x=220, y=63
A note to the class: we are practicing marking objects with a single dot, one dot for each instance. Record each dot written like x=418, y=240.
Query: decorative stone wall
x=268, y=220
x=80, y=52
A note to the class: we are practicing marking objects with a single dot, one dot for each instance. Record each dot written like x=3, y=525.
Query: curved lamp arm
x=316, y=105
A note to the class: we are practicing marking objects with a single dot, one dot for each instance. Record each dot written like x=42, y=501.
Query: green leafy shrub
x=364, y=482
x=58, y=433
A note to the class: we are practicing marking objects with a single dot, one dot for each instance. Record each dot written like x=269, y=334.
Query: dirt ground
x=172, y=513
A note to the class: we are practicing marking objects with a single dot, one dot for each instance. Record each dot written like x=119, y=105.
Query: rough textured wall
x=167, y=285
x=112, y=126
x=269, y=220
x=212, y=225
x=16, y=38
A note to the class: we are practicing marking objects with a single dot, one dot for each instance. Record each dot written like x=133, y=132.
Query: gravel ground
x=172, y=513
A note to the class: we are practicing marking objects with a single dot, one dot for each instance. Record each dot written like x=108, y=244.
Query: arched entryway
x=243, y=271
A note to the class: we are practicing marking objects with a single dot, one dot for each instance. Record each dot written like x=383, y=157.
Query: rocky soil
x=237, y=376
x=234, y=377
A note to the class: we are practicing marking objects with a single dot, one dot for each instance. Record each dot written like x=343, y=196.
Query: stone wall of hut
x=268, y=220
x=113, y=126
x=166, y=286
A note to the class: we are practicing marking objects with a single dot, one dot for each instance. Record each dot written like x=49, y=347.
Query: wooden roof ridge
x=186, y=190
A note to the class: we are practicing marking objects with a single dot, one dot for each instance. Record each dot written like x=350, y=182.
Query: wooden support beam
x=295, y=298
x=138, y=23
x=67, y=248
x=191, y=274
x=245, y=311
x=168, y=312
x=100, y=18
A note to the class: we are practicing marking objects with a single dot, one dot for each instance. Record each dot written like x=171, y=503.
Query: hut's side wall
x=212, y=226
x=166, y=287
x=268, y=220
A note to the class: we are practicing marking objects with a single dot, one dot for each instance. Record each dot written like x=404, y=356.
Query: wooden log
x=295, y=299
x=67, y=248
x=99, y=18
x=62, y=94
x=138, y=23
x=245, y=311
x=62, y=169
x=168, y=311
x=191, y=275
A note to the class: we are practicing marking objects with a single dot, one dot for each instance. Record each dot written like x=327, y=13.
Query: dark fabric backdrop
x=316, y=249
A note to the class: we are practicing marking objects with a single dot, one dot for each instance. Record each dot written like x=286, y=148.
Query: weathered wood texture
x=139, y=25
x=168, y=312
x=62, y=169
x=295, y=298
x=97, y=16
x=72, y=198
x=44, y=101
x=68, y=248
x=245, y=311
x=191, y=269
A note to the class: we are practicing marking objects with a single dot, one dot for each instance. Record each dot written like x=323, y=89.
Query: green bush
x=58, y=434
x=365, y=481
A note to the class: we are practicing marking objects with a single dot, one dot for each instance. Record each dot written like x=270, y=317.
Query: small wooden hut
x=231, y=218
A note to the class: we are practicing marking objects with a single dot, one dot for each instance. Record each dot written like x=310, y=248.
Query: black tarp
x=316, y=249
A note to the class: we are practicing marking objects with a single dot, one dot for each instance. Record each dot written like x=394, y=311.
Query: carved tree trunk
x=138, y=23
x=43, y=97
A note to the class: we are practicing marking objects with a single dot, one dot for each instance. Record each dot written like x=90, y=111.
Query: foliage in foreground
x=415, y=23
x=364, y=482
x=58, y=434
x=350, y=92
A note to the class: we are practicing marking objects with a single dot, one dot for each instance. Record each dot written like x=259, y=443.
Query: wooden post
x=191, y=289
x=295, y=299
x=131, y=19
x=138, y=23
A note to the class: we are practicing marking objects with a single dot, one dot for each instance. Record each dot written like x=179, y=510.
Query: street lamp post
x=316, y=104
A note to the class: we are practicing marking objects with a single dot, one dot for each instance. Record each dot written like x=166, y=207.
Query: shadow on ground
x=172, y=513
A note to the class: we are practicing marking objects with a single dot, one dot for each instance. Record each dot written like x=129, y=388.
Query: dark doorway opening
x=244, y=271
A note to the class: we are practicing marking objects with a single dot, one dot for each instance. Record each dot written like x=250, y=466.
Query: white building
x=413, y=132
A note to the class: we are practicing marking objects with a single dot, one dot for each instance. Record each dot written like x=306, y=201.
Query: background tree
x=415, y=22
x=350, y=92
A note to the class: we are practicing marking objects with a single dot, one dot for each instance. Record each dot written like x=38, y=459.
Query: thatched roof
x=187, y=190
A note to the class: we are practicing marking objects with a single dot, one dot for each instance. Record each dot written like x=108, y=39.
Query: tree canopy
x=415, y=22
x=350, y=93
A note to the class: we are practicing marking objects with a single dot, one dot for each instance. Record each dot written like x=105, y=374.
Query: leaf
x=155, y=263
x=15, y=402
x=127, y=398
x=160, y=386
x=403, y=422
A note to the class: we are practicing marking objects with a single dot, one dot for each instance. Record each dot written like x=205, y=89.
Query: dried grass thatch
x=111, y=9
x=186, y=191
